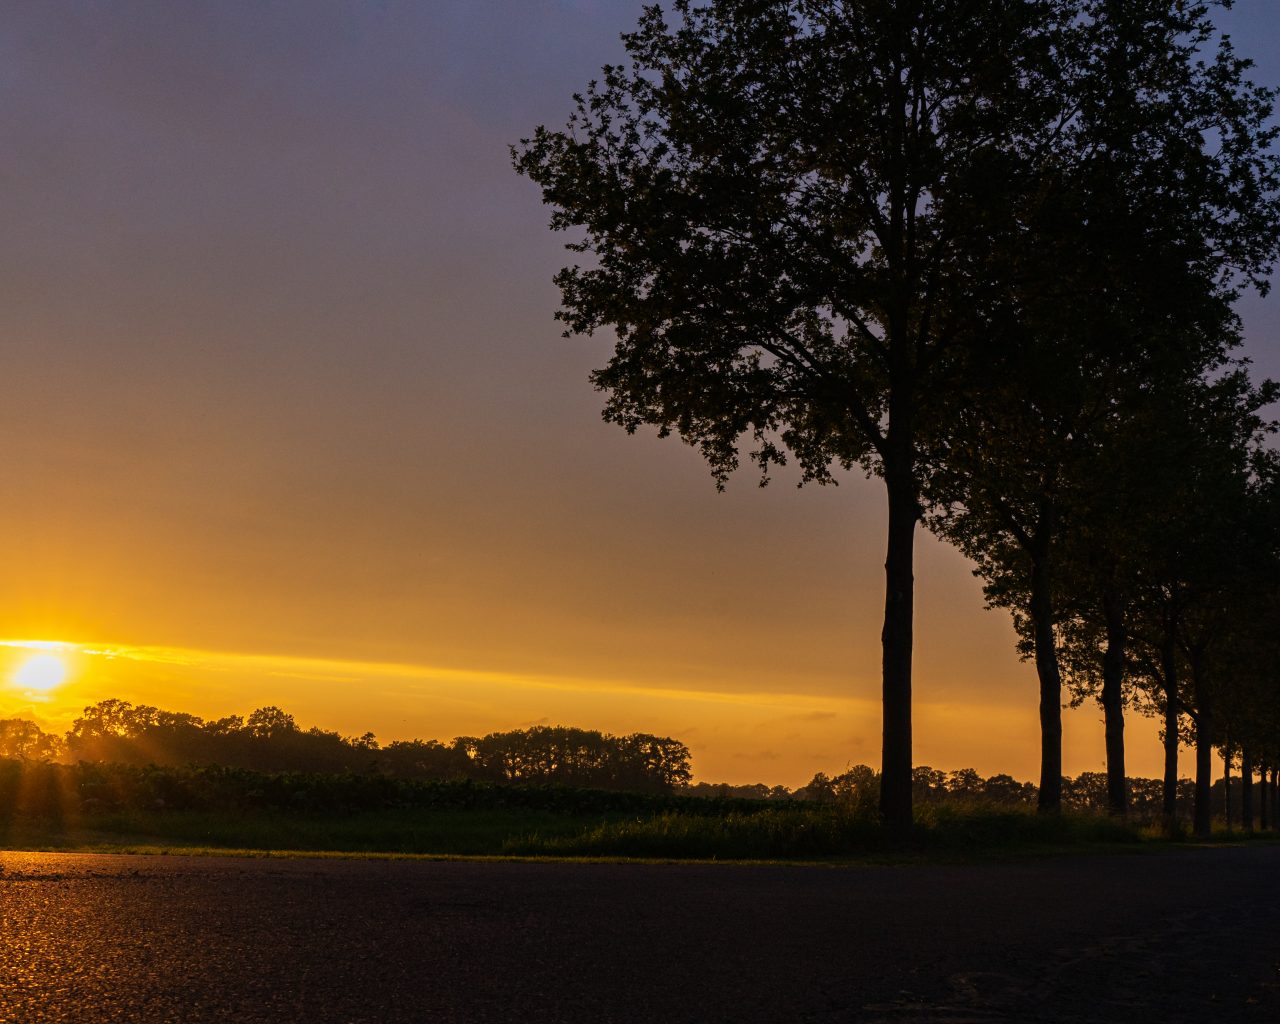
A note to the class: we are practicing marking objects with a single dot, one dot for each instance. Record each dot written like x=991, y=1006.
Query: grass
x=449, y=832
x=796, y=833
x=206, y=810
x=833, y=834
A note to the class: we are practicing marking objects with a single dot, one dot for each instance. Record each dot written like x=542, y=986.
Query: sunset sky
x=285, y=418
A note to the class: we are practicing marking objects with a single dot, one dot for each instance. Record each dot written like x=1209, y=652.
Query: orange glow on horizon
x=288, y=420
x=735, y=736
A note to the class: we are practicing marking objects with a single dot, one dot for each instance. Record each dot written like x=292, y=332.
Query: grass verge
x=830, y=833
x=789, y=834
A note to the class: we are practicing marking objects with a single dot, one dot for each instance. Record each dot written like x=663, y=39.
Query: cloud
x=350, y=670
x=39, y=645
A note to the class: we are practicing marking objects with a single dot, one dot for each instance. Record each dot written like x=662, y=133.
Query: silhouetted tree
x=1118, y=282
x=270, y=739
x=1021, y=485
x=26, y=741
x=766, y=193
x=786, y=203
x=1138, y=470
x=270, y=722
x=426, y=759
x=582, y=757
x=1202, y=562
x=818, y=788
x=1247, y=649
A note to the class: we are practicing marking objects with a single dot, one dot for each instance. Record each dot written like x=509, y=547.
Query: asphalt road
x=1189, y=936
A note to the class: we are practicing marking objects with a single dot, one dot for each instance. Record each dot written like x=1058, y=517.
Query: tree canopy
x=117, y=731
x=806, y=221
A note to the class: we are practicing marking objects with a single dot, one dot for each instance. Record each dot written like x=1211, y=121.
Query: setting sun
x=41, y=672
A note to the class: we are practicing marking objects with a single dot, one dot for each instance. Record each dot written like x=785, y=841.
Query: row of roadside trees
x=989, y=252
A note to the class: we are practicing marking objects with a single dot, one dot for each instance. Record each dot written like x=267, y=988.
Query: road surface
x=1188, y=936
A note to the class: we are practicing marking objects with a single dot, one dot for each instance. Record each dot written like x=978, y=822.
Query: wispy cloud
x=40, y=645
x=794, y=705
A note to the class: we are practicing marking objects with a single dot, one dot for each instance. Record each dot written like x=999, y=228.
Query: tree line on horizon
x=1088, y=792
x=990, y=253
x=270, y=740
x=116, y=733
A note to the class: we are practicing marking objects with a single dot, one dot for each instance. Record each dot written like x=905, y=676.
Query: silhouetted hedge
x=57, y=790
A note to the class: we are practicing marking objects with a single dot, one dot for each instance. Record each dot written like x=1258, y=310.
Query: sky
x=285, y=417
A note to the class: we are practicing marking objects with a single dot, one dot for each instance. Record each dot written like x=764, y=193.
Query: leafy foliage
x=957, y=244
x=27, y=741
x=270, y=740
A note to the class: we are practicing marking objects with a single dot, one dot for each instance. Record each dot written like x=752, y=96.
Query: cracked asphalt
x=1185, y=936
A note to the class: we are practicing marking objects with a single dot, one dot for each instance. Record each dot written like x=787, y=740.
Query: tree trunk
x=1113, y=706
x=1050, y=801
x=1203, y=816
x=1169, y=665
x=1246, y=790
x=898, y=466
x=1226, y=784
x=1264, y=799
x=895, y=771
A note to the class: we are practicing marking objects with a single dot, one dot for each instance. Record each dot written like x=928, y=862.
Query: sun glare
x=42, y=672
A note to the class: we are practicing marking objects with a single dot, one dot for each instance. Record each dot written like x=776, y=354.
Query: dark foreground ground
x=1188, y=936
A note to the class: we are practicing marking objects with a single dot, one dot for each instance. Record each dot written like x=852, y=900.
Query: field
x=790, y=833
x=104, y=807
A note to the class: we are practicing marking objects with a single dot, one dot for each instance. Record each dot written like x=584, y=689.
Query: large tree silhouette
x=1200, y=564
x=786, y=206
x=765, y=192
x=1248, y=690
x=1106, y=561
x=1021, y=488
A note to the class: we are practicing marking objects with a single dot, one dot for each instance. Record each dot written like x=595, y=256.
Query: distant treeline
x=266, y=759
x=67, y=792
x=270, y=740
x=1086, y=792
x=859, y=787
